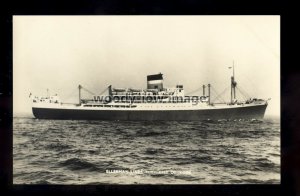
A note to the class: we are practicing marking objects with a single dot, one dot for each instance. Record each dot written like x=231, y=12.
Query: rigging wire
x=194, y=90
x=221, y=94
x=103, y=91
x=72, y=93
x=244, y=93
x=219, y=98
x=88, y=91
x=251, y=84
x=260, y=39
x=241, y=97
x=92, y=93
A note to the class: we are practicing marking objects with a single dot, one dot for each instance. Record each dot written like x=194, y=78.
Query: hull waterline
x=247, y=112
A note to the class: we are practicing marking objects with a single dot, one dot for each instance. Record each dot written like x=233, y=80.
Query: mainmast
x=79, y=93
x=208, y=94
x=233, y=85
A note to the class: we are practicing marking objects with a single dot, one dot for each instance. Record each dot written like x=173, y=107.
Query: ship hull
x=247, y=112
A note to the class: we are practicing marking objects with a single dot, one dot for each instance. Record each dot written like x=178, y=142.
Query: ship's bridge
x=178, y=91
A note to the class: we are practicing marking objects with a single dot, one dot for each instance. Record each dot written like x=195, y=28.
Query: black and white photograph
x=146, y=99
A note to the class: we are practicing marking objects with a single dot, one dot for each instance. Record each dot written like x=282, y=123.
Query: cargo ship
x=154, y=103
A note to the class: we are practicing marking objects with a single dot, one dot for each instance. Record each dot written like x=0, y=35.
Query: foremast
x=233, y=86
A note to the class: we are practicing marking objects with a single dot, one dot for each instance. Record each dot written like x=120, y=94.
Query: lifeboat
x=119, y=89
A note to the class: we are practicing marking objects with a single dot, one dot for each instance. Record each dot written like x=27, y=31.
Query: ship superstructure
x=152, y=103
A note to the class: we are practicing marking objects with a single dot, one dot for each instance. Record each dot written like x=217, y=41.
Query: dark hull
x=249, y=112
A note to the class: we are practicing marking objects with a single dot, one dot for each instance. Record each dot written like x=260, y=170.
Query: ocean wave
x=147, y=133
x=79, y=152
x=41, y=182
x=265, y=163
x=78, y=164
x=58, y=146
x=153, y=151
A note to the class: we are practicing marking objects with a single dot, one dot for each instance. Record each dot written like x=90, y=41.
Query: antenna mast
x=79, y=93
x=208, y=94
x=233, y=84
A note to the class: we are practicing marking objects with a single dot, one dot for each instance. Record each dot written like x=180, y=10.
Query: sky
x=60, y=52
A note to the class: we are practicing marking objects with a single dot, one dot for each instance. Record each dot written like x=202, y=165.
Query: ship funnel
x=155, y=81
